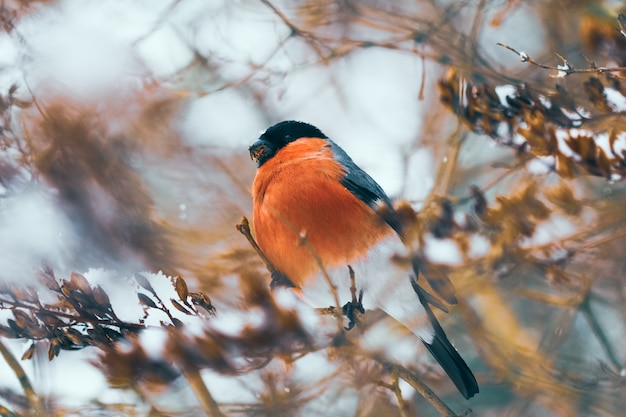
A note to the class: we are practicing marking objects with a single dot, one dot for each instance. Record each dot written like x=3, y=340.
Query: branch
x=422, y=389
x=208, y=403
x=74, y=319
x=395, y=387
x=296, y=31
x=562, y=70
x=29, y=392
x=244, y=229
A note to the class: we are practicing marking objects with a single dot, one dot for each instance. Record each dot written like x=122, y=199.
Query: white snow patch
x=444, y=251
x=571, y=115
x=234, y=390
x=153, y=341
x=561, y=136
x=313, y=367
x=615, y=99
x=563, y=68
x=583, y=112
x=233, y=322
x=518, y=139
x=541, y=165
x=619, y=145
x=602, y=141
x=555, y=228
x=479, y=246
x=504, y=91
x=546, y=102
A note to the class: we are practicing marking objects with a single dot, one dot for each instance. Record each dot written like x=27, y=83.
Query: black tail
x=453, y=364
x=447, y=356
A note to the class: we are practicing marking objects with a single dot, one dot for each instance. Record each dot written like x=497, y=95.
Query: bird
x=315, y=210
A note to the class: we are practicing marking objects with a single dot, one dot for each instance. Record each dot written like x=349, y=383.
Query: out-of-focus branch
x=29, y=392
x=401, y=372
x=596, y=328
x=209, y=405
x=73, y=318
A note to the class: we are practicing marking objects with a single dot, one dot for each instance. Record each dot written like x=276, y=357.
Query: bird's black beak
x=261, y=151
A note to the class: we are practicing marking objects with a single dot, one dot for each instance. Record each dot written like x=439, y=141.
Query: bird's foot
x=354, y=307
x=351, y=310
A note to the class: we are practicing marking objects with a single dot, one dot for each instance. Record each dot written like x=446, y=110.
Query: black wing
x=359, y=183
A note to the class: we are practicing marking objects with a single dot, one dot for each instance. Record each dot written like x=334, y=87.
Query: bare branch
x=561, y=70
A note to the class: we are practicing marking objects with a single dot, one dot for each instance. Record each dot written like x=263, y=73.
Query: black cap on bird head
x=279, y=135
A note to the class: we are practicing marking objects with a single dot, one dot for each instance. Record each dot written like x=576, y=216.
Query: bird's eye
x=287, y=138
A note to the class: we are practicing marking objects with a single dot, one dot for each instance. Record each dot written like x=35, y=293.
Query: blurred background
x=124, y=129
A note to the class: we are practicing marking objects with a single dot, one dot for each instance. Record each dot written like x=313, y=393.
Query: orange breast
x=302, y=211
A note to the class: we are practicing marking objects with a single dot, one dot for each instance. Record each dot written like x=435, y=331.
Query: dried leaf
x=22, y=319
x=79, y=283
x=29, y=295
x=179, y=307
x=101, y=297
x=621, y=20
x=22, y=104
x=595, y=93
x=54, y=349
x=436, y=277
x=562, y=196
x=17, y=329
x=145, y=300
x=49, y=318
x=565, y=166
x=29, y=352
x=181, y=289
x=8, y=332
x=111, y=334
x=37, y=331
x=75, y=336
x=479, y=201
x=144, y=283
x=177, y=323
x=202, y=300
x=604, y=165
x=65, y=289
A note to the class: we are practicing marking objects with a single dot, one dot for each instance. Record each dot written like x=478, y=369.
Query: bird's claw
x=351, y=309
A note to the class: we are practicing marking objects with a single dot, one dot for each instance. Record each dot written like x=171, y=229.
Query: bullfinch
x=314, y=209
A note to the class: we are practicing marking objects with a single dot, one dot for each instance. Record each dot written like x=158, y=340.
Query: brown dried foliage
x=538, y=119
x=519, y=300
x=80, y=316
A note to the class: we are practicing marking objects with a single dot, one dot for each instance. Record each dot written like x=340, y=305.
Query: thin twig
x=585, y=308
x=329, y=281
x=395, y=387
x=315, y=43
x=244, y=229
x=561, y=70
